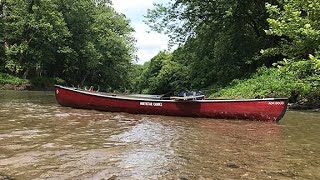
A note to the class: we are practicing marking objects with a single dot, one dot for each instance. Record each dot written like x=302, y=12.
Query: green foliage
x=2, y=35
x=136, y=78
x=267, y=82
x=297, y=23
x=34, y=31
x=163, y=75
x=307, y=71
x=9, y=79
x=220, y=40
x=86, y=42
x=83, y=42
x=45, y=82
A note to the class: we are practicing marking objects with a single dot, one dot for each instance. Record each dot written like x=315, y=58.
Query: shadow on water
x=301, y=138
x=39, y=140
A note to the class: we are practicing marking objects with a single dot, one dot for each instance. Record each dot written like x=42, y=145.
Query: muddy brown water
x=41, y=140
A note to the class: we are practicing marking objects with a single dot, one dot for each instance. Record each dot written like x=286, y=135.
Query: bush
x=45, y=82
x=12, y=80
x=267, y=82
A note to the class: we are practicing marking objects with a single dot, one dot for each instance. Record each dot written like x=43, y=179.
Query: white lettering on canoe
x=276, y=103
x=157, y=104
x=150, y=104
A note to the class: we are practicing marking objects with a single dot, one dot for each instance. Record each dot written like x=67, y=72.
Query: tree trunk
x=85, y=77
x=25, y=74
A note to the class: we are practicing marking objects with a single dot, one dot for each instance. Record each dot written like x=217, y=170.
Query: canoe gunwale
x=130, y=98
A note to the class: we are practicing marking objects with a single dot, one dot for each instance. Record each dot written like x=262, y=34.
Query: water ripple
x=41, y=140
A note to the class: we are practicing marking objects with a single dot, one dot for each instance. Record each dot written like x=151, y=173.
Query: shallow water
x=41, y=140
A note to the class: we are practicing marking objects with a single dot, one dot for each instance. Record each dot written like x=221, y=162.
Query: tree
x=163, y=75
x=222, y=38
x=297, y=24
x=136, y=78
x=2, y=36
x=82, y=42
x=115, y=45
x=35, y=33
x=101, y=41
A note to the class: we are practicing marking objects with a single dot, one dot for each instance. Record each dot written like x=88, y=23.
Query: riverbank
x=9, y=82
x=265, y=83
x=302, y=104
x=303, y=94
x=27, y=87
x=311, y=102
x=14, y=87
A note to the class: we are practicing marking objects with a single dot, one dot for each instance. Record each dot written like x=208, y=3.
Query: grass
x=267, y=82
x=9, y=79
x=40, y=83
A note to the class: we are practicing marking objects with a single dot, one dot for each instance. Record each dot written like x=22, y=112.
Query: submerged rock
x=232, y=165
x=114, y=177
x=4, y=177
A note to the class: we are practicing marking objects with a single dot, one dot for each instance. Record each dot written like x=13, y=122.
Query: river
x=41, y=140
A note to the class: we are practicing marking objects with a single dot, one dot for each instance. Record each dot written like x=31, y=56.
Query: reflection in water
x=41, y=140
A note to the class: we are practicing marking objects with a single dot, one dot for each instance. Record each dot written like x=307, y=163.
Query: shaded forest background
x=231, y=49
x=76, y=42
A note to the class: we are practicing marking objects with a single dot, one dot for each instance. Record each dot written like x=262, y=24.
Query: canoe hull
x=255, y=109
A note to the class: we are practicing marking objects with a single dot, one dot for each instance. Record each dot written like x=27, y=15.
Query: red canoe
x=269, y=109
